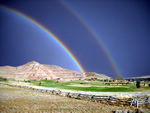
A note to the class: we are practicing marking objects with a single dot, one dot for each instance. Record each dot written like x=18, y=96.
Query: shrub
x=40, y=83
x=3, y=79
x=138, y=84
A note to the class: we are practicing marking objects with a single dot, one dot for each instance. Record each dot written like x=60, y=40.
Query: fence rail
x=136, y=101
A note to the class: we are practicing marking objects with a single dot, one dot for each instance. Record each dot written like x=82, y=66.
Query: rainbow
x=95, y=36
x=74, y=59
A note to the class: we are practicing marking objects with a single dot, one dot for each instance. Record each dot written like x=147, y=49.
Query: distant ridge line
x=35, y=70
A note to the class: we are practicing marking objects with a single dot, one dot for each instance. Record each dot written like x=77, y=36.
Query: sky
x=106, y=36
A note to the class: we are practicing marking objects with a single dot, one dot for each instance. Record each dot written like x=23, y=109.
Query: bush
x=40, y=83
x=138, y=84
x=3, y=79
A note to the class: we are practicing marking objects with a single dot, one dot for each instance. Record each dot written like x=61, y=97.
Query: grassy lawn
x=90, y=86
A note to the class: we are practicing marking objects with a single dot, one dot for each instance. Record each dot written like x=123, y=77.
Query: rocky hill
x=139, y=78
x=36, y=71
x=96, y=75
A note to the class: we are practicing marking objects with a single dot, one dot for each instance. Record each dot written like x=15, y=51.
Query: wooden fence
x=136, y=101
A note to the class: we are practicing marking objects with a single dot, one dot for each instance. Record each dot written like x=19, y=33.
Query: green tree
x=138, y=84
x=121, y=78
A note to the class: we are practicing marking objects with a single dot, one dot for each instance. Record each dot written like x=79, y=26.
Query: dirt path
x=114, y=94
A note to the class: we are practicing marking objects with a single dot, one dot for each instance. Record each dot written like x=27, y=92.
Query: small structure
x=145, y=84
x=82, y=78
x=59, y=78
x=89, y=79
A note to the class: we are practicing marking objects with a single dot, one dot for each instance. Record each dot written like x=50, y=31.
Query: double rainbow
x=94, y=35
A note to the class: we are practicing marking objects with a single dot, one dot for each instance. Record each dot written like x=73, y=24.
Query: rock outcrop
x=96, y=75
x=36, y=71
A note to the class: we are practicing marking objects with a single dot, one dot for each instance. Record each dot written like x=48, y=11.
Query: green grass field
x=95, y=86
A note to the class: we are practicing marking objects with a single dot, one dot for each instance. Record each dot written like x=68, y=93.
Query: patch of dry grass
x=23, y=100
x=80, y=85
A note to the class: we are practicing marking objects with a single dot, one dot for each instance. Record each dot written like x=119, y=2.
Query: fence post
x=92, y=98
x=132, y=101
x=68, y=94
x=78, y=96
x=137, y=103
x=109, y=100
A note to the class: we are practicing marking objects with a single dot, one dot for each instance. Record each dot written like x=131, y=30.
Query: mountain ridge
x=36, y=71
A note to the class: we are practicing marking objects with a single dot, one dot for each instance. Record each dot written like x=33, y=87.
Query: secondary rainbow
x=75, y=60
x=94, y=35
